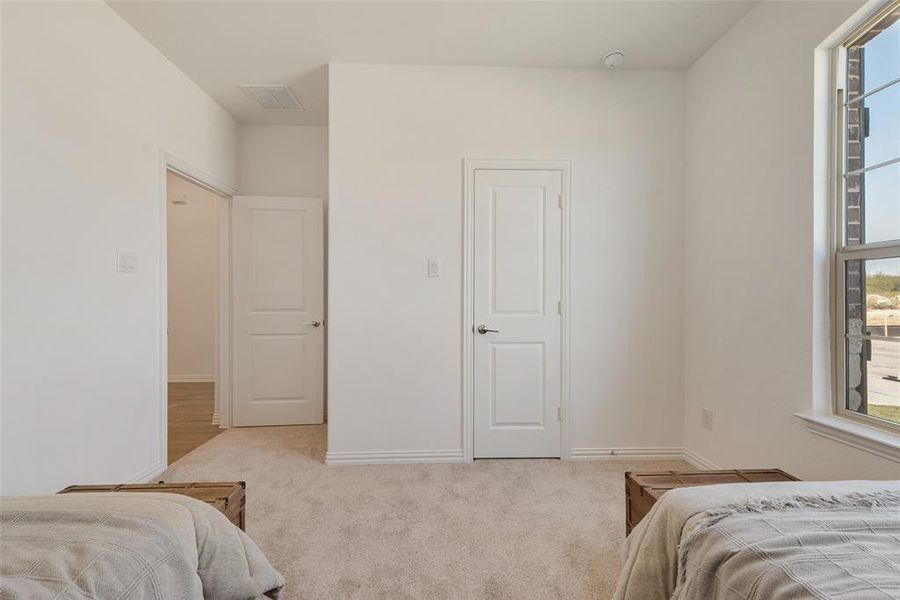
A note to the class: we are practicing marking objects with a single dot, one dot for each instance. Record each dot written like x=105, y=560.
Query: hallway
x=191, y=407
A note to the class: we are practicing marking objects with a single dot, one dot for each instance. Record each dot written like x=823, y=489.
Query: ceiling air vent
x=273, y=97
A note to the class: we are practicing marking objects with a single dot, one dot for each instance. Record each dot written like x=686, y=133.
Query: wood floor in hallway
x=191, y=407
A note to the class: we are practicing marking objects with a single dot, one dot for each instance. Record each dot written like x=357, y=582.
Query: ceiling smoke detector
x=273, y=97
x=613, y=59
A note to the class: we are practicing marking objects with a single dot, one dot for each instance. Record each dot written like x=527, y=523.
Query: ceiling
x=221, y=44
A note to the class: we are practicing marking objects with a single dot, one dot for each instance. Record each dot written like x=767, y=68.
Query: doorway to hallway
x=193, y=248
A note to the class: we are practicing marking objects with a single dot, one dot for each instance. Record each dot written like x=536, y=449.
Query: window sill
x=868, y=439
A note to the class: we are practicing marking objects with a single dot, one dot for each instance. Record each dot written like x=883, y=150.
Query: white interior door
x=518, y=274
x=278, y=294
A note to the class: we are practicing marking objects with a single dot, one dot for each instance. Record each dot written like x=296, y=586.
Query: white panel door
x=278, y=294
x=518, y=272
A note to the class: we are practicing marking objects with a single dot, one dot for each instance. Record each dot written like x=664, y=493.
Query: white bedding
x=650, y=569
x=152, y=546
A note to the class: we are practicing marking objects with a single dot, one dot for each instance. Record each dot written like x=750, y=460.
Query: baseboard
x=192, y=378
x=651, y=453
x=394, y=457
x=456, y=456
x=701, y=462
x=149, y=474
x=216, y=419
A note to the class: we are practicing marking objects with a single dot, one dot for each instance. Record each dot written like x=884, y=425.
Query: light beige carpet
x=516, y=529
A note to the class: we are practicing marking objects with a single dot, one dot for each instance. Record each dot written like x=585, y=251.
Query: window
x=868, y=246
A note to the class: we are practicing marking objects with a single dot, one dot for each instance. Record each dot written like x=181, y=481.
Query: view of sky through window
x=873, y=285
x=881, y=65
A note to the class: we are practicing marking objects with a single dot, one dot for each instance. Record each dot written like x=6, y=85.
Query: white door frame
x=468, y=300
x=222, y=414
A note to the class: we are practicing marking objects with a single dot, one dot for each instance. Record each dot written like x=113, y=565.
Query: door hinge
x=559, y=413
x=560, y=201
x=559, y=307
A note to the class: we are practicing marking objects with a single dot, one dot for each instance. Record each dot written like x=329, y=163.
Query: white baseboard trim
x=394, y=457
x=699, y=461
x=150, y=474
x=192, y=378
x=580, y=454
x=651, y=453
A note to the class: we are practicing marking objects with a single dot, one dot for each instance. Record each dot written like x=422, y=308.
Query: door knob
x=482, y=329
x=314, y=323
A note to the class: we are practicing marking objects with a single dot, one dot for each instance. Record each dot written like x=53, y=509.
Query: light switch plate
x=126, y=262
x=433, y=267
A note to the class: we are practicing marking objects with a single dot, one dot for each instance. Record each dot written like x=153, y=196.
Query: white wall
x=192, y=263
x=87, y=106
x=398, y=135
x=751, y=336
x=281, y=160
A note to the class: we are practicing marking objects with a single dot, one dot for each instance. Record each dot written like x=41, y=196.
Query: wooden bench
x=643, y=489
x=228, y=497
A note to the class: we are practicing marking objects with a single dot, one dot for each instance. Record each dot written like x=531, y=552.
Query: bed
x=767, y=541
x=153, y=546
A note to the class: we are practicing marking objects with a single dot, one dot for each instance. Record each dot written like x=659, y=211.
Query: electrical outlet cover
x=707, y=419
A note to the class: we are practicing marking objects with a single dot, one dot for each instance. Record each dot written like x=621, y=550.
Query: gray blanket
x=651, y=565
x=135, y=546
x=796, y=547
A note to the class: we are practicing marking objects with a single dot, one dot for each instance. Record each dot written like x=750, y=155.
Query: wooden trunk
x=227, y=496
x=642, y=490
